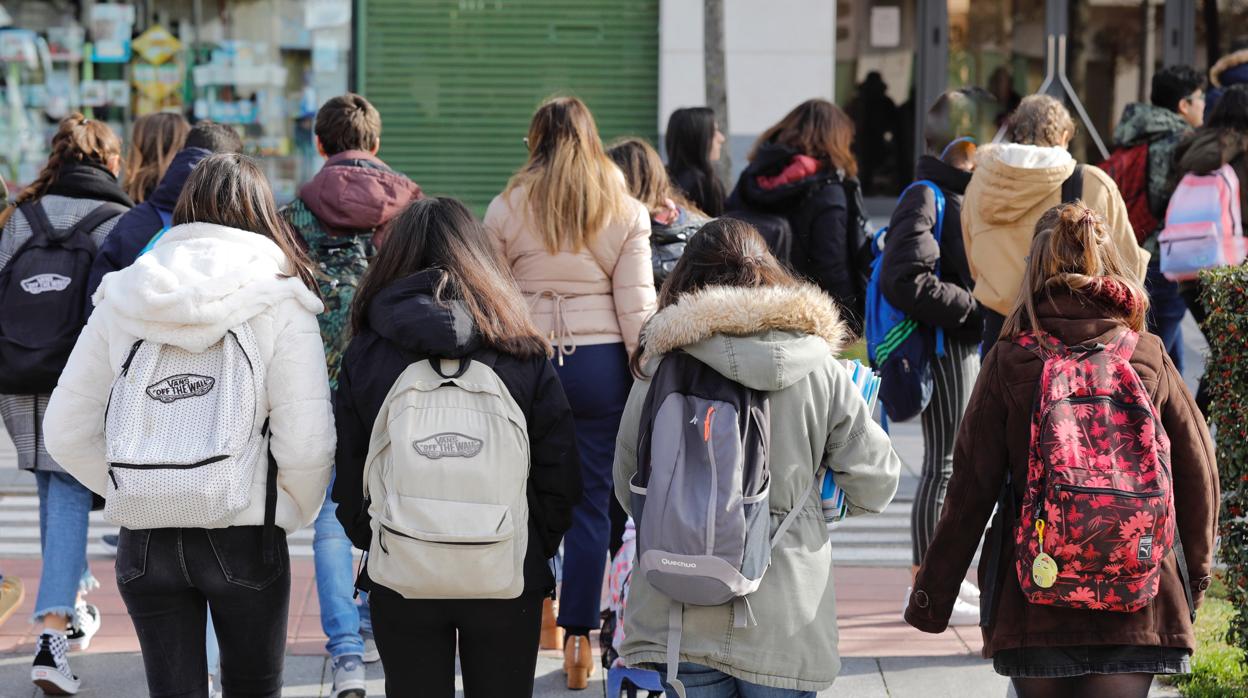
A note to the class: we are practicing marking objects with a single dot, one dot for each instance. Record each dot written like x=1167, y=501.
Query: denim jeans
x=341, y=618
x=1165, y=311
x=597, y=382
x=169, y=578
x=64, y=505
x=704, y=682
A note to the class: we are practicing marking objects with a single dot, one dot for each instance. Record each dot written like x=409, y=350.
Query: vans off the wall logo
x=181, y=386
x=448, y=445
x=42, y=283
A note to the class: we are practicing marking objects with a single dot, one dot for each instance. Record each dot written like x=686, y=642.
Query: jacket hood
x=357, y=193
x=763, y=338
x=407, y=314
x=1230, y=69
x=166, y=194
x=1020, y=177
x=199, y=281
x=944, y=175
x=779, y=174
x=1208, y=149
x=1143, y=123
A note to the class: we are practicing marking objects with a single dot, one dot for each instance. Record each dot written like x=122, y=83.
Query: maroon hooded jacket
x=355, y=192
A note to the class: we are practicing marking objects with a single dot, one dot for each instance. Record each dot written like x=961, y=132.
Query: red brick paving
x=868, y=603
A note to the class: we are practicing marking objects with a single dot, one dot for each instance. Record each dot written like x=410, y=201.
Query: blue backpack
x=166, y=220
x=899, y=347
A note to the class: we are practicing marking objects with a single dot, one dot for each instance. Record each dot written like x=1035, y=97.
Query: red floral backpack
x=1098, y=513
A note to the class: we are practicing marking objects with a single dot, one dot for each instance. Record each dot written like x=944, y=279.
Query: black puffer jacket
x=908, y=276
x=826, y=248
x=667, y=242
x=406, y=325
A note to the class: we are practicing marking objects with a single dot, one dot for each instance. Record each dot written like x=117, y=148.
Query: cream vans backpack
x=446, y=483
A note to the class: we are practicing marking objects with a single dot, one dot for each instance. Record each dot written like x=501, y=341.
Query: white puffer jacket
x=195, y=284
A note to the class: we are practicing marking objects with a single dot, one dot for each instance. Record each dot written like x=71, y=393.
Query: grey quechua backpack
x=700, y=494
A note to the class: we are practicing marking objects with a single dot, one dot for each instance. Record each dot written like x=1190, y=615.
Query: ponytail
x=77, y=139
x=1072, y=250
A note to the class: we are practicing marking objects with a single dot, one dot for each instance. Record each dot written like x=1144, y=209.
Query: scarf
x=84, y=180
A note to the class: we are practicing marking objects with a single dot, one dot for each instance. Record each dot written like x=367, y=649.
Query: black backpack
x=43, y=303
x=775, y=228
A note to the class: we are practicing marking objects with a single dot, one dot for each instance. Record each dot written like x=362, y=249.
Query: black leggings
x=498, y=641
x=1088, y=686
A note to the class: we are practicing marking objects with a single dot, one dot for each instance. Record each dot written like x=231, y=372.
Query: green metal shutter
x=457, y=81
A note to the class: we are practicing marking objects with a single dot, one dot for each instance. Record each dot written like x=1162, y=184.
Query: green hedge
x=1226, y=298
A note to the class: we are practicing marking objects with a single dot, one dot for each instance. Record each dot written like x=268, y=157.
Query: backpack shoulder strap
x=1072, y=188
x=37, y=219
x=1124, y=344
x=98, y=216
x=1042, y=344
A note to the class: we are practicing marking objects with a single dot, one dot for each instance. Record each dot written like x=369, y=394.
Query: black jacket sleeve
x=353, y=438
x=555, y=474
x=908, y=276
x=827, y=245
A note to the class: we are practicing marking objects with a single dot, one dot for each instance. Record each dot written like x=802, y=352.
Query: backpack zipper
x=134, y=349
x=1081, y=489
x=400, y=534
x=1084, y=399
x=166, y=466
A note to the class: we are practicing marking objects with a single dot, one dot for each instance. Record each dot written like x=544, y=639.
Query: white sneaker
x=85, y=625
x=50, y=670
x=371, y=653
x=969, y=592
x=964, y=613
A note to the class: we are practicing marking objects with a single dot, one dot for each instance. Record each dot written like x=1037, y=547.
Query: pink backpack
x=1203, y=225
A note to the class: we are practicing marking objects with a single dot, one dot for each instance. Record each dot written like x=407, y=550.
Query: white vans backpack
x=184, y=435
x=446, y=483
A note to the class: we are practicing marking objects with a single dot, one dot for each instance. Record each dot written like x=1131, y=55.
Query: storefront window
x=261, y=66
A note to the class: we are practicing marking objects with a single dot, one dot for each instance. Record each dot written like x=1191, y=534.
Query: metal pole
x=1148, y=49
x=1180, y=32
x=932, y=67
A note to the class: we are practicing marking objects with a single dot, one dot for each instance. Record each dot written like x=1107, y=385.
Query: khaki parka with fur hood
x=782, y=340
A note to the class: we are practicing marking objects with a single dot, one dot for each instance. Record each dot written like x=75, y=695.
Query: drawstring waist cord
x=563, y=340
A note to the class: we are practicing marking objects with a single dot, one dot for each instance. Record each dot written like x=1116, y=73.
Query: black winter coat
x=406, y=325
x=141, y=223
x=667, y=243
x=702, y=190
x=826, y=249
x=908, y=276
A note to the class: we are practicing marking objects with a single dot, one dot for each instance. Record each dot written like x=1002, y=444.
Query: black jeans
x=993, y=321
x=169, y=576
x=497, y=644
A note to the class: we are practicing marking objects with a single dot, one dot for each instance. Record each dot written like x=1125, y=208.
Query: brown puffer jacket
x=599, y=295
x=996, y=431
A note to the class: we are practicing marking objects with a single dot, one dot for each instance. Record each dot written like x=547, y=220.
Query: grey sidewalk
x=112, y=675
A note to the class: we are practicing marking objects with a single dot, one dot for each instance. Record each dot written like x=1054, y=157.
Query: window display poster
x=18, y=46
x=111, y=26
x=118, y=92
x=322, y=14
x=65, y=43
x=156, y=82
x=157, y=45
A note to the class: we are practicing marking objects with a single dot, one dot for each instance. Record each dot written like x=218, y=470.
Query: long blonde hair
x=573, y=190
x=646, y=176
x=1072, y=250
x=154, y=140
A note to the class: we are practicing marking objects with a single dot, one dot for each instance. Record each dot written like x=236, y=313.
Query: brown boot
x=552, y=635
x=578, y=661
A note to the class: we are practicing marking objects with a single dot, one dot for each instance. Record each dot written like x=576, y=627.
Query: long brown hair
x=725, y=252
x=154, y=140
x=573, y=190
x=1072, y=250
x=230, y=189
x=77, y=139
x=442, y=234
x=646, y=176
x=819, y=129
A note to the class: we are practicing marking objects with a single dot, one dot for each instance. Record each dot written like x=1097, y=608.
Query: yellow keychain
x=1044, y=567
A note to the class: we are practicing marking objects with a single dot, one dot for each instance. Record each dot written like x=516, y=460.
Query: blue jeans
x=341, y=618
x=705, y=682
x=597, y=382
x=1165, y=311
x=64, y=505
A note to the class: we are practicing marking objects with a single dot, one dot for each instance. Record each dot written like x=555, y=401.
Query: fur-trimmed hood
x=197, y=282
x=764, y=338
x=1225, y=64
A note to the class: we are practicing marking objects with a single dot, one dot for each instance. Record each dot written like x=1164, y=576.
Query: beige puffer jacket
x=1012, y=187
x=600, y=295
